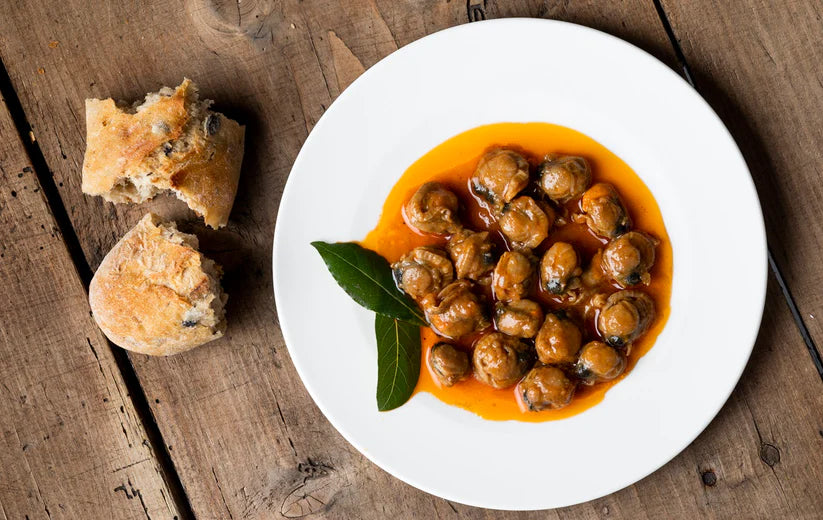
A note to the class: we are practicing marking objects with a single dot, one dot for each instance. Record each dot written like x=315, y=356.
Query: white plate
x=526, y=70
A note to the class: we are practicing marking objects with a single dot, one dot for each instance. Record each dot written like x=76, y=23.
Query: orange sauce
x=452, y=163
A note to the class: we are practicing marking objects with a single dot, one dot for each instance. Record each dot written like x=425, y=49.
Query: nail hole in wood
x=476, y=10
x=769, y=454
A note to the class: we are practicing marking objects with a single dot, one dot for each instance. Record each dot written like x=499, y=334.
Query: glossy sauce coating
x=452, y=163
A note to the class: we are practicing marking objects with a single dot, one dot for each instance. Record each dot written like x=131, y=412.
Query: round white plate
x=526, y=70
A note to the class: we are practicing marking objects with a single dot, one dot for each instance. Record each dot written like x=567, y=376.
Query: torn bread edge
x=170, y=141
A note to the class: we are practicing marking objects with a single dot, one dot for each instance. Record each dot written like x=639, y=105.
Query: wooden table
x=228, y=431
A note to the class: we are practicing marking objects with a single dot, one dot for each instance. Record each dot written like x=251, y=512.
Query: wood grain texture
x=71, y=444
x=758, y=64
x=245, y=437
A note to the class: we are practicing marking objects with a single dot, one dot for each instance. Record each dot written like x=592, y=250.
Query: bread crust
x=153, y=293
x=171, y=142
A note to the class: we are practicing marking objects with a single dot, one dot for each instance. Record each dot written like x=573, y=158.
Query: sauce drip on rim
x=452, y=163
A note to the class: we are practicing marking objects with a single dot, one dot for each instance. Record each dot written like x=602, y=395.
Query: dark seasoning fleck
x=212, y=124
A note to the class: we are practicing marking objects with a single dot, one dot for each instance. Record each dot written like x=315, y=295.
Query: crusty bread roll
x=172, y=141
x=154, y=293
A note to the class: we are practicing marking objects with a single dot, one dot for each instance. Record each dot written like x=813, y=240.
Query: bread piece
x=172, y=141
x=154, y=293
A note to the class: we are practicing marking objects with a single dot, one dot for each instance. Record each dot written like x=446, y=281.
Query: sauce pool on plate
x=452, y=164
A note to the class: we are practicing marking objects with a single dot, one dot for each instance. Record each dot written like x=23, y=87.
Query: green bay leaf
x=398, y=361
x=367, y=278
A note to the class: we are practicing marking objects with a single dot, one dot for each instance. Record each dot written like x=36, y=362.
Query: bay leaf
x=398, y=361
x=367, y=278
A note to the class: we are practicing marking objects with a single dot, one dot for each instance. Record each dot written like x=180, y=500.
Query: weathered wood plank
x=758, y=64
x=71, y=444
x=245, y=437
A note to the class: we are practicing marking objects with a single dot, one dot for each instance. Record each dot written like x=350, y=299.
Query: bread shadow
x=244, y=247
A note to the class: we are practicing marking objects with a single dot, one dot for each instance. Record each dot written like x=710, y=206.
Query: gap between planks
x=67, y=232
x=775, y=269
